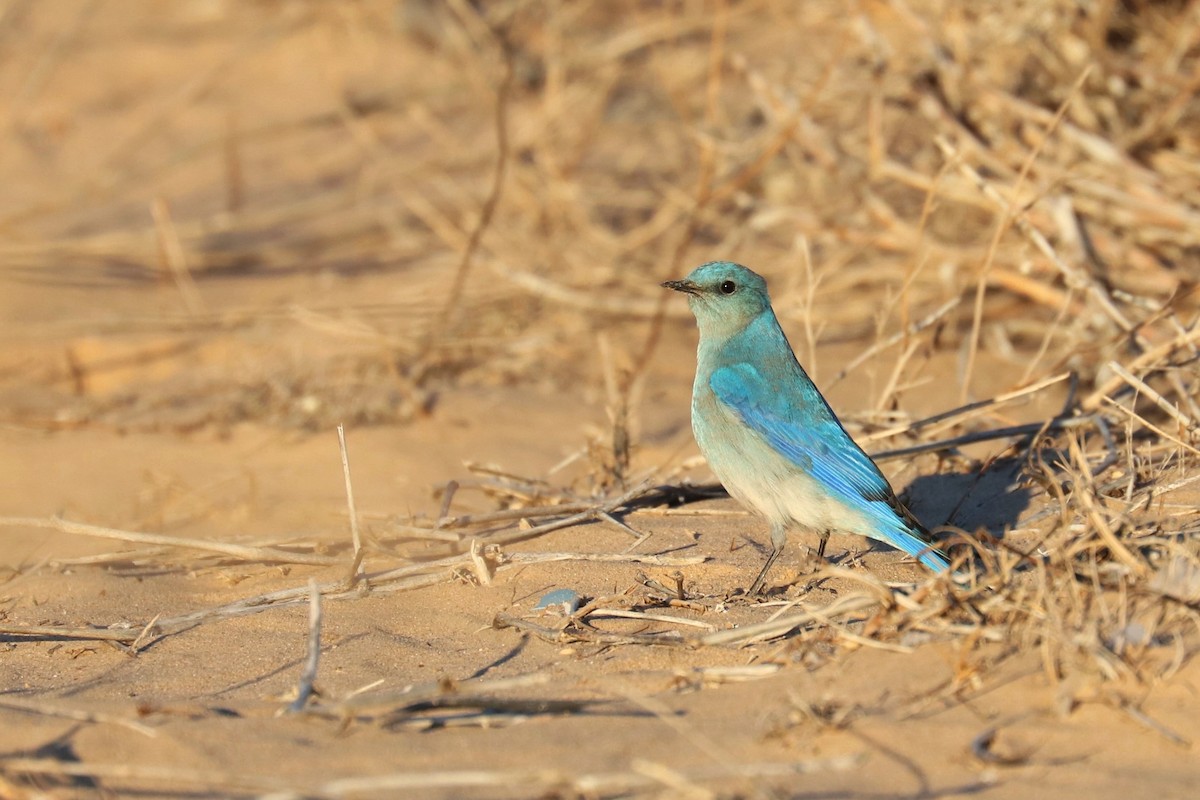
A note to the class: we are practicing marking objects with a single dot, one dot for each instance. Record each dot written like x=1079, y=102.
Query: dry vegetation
x=989, y=206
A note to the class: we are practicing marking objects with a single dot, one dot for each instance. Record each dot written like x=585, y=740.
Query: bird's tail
x=931, y=555
x=914, y=539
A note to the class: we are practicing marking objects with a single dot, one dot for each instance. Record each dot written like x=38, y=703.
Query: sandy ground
x=865, y=721
x=196, y=396
x=207, y=700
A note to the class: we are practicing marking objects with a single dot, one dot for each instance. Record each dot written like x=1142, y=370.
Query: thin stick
x=483, y=570
x=960, y=411
x=75, y=714
x=509, y=514
x=141, y=555
x=1084, y=494
x=400, y=579
x=897, y=370
x=450, y=309
x=1159, y=400
x=861, y=641
x=173, y=255
x=1153, y=356
x=566, y=522
x=781, y=626
x=242, y=552
x=559, y=635
x=931, y=319
x=63, y=632
x=606, y=558
x=1142, y=718
x=359, y=554
x=810, y=295
x=448, y=493
x=641, y=777
x=602, y=613
x=588, y=299
x=1072, y=276
x=309, y=675
x=147, y=631
x=214, y=781
x=1152, y=426
x=986, y=436
x=392, y=700
x=704, y=191
x=1048, y=335
x=1182, y=392
x=981, y=285
x=1008, y=213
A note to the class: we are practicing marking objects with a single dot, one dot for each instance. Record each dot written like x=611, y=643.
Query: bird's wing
x=813, y=439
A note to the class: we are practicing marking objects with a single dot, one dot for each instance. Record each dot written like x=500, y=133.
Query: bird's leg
x=756, y=587
x=821, y=546
x=778, y=540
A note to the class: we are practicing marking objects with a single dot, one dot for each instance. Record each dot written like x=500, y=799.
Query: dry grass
x=1035, y=178
x=915, y=179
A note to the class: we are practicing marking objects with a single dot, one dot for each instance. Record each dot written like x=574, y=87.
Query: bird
x=770, y=436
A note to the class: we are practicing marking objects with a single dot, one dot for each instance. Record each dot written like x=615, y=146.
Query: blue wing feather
x=809, y=435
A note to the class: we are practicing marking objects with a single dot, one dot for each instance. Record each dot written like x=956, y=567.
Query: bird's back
x=786, y=390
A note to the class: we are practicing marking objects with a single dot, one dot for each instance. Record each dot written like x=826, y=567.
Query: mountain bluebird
x=769, y=435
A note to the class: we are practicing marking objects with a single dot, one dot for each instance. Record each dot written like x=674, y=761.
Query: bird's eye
x=728, y=287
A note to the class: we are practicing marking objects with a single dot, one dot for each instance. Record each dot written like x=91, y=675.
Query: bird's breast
x=761, y=478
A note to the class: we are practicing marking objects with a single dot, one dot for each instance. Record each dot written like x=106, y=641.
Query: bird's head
x=724, y=296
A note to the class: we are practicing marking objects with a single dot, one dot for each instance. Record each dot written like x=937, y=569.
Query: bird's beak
x=687, y=287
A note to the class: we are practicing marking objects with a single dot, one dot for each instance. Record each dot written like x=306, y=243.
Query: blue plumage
x=769, y=435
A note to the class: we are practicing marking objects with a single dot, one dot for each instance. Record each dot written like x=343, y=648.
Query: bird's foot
x=756, y=588
x=853, y=559
x=817, y=560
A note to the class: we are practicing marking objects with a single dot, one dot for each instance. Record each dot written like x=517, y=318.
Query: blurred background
x=310, y=212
